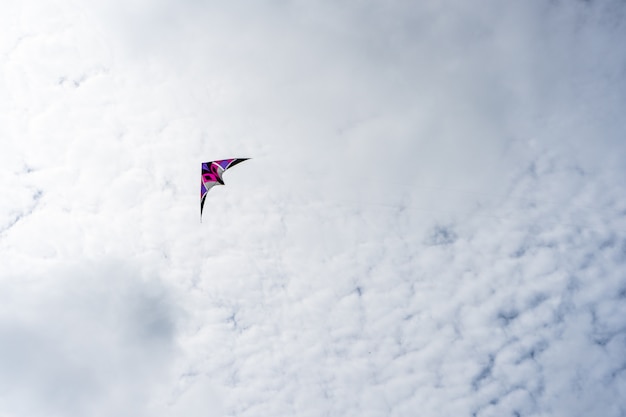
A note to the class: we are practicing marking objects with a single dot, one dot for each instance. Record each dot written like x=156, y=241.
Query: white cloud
x=431, y=222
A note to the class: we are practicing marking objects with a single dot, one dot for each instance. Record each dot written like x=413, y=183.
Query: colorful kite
x=212, y=175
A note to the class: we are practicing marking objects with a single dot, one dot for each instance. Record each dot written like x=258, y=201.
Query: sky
x=432, y=221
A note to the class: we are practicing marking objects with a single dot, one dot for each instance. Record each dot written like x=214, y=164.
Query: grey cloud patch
x=92, y=339
x=442, y=235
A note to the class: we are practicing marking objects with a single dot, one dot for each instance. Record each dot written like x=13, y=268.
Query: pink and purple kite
x=212, y=175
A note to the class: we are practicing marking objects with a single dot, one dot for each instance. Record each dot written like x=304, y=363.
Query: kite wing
x=212, y=175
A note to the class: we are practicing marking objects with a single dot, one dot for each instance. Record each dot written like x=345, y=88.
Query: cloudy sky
x=433, y=221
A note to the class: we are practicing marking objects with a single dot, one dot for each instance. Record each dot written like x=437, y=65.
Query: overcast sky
x=433, y=221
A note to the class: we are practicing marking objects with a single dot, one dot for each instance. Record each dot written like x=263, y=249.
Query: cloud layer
x=432, y=221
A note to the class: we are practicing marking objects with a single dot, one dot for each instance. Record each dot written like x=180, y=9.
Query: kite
x=212, y=175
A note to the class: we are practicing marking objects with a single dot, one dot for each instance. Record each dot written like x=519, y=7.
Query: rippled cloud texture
x=433, y=221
